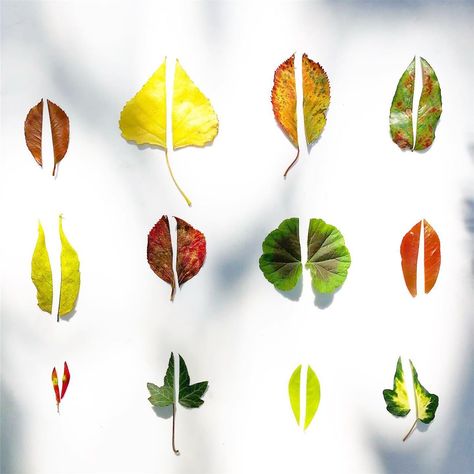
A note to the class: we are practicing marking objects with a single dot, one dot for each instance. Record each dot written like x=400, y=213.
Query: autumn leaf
x=316, y=97
x=313, y=395
x=189, y=396
x=160, y=252
x=34, y=131
x=65, y=382
x=70, y=275
x=328, y=257
x=432, y=256
x=396, y=399
x=60, y=131
x=194, y=121
x=281, y=258
x=54, y=378
x=41, y=273
x=429, y=109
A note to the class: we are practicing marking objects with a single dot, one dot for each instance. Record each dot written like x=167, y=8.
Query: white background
x=229, y=323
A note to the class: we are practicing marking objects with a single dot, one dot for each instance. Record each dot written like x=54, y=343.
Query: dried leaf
x=432, y=258
x=143, y=119
x=284, y=102
x=191, y=251
x=194, y=119
x=60, y=131
x=34, y=131
x=409, y=253
x=70, y=275
x=316, y=96
x=280, y=262
x=401, y=111
x=429, y=108
x=41, y=273
x=160, y=252
x=328, y=257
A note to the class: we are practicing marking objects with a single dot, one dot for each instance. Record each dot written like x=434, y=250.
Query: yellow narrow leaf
x=70, y=276
x=316, y=96
x=194, y=120
x=41, y=273
x=143, y=119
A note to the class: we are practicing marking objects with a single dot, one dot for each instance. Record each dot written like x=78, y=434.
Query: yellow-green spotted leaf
x=70, y=276
x=41, y=273
x=294, y=392
x=426, y=402
x=396, y=399
x=313, y=396
x=328, y=257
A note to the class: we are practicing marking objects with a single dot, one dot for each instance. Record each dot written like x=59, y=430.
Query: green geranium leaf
x=397, y=399
x=163, y=396
x=294, y=392
x=281, y=258
x=189, y=395
x=328, y=257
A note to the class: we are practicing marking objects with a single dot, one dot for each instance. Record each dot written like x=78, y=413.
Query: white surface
x=230, y=325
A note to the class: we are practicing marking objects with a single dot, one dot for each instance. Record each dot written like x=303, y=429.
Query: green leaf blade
x=426, y=402
x=401, y=110
x=328, y=257
x=313, y=396
x=280, y=262
x=189, y=395
x=163, y=396
x=294, y=392
x=396, y=399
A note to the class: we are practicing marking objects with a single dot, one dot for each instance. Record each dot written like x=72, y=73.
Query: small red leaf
x=65, y=381
x=33, y=131
x=60, y=132
x=54, y=378
x=160, y=252
x=191, y=251
x=432, y=256
x=409, y=253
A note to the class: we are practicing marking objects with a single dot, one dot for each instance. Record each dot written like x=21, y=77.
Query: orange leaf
x=432, y=256
x=33, y=131
x=409, y=253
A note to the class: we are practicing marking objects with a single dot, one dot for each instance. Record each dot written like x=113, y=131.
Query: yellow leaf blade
x=41, y=273
x=70, y=275
x=143, y=119
x=194, y=120
x=316, y=97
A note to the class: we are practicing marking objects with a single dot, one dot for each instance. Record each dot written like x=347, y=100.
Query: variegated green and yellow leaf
x=426, y=402
x=396, y=399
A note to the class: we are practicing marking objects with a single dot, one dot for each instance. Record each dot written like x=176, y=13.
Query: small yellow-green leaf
x=313, y=396
x=426, y=402
x=70, y=276
x=294, y=392
x=396, y=399
x=41, y=273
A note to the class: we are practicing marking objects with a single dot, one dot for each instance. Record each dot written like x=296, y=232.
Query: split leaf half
x=194, y=121
x=313, y=394
x=189, y=396
x=429, y=109
x=316, y=97
x=191, y=252
x=396, y=399
x=409, y=254
x=59, y=122
x=41, y=273
x=64, y=384
x=328, y=257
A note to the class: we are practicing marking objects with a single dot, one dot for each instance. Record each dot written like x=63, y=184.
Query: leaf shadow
x=293, y=294
x=67, y=317
x=163, y=412
x=324, y=300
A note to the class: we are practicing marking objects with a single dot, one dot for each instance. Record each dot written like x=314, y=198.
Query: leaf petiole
x=176, y=451
x=293, y=163
x=411, y=430
x=174, y=180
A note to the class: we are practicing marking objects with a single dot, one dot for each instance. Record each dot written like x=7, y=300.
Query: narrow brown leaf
x=33, y=131
x=60, y=132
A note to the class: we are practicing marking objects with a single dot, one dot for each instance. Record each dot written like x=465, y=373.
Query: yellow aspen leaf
x=194, y=119
x=143, y=119
x=70, y=275
x=284, y=101
x=41, y=273
x=316, y=96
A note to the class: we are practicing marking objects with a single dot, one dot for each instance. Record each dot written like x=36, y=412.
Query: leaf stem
x=176, y=451
x=411, y=430
x=173, y=291
x=175, y=182
x=293, y=163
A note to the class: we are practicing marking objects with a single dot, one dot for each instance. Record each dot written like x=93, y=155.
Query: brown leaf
x=191, y=251
x=160, y=252
x=60, y=132
x=33, y=131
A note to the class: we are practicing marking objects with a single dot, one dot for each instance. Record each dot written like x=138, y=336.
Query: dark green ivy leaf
x=189, y=395
x=163, y=396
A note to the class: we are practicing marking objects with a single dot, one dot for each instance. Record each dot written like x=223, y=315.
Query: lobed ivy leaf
x=163, y=396
x=189, y=395
x=281, y=258
x=328, y=257
x=396, y=399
